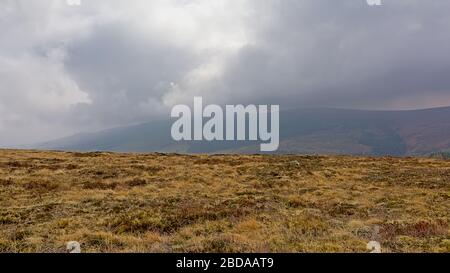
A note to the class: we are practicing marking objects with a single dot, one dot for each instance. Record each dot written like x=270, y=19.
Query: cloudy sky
x=106, y=63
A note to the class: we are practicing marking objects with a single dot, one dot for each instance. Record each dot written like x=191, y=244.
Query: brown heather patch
x=112, y=202
x=420, y=228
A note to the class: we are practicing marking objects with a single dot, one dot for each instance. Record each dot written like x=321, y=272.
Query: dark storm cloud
x=109, y=63
x=344, y=54
x=126, y=74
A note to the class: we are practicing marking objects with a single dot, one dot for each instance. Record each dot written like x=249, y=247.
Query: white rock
x=294, y=163
x=374, y=247
x=73, y=247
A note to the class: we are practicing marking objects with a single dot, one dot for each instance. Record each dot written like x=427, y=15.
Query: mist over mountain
x=309, y=131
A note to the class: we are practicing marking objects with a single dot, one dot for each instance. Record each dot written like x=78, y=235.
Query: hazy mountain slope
x=144, y=137
x=324, y=131
x=425, y=131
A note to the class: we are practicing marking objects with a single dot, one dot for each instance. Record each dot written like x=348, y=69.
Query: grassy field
x=228, y=203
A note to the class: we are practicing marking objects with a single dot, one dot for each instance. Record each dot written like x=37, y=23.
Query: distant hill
x=310, y=131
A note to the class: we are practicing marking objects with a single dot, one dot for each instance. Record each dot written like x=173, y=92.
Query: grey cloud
x=126, y=74
x=344, y=54
x=111, y=63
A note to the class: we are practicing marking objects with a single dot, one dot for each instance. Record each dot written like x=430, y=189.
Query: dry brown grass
x=231, y=203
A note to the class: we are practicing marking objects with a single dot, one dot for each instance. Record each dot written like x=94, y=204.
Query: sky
x=66, y=69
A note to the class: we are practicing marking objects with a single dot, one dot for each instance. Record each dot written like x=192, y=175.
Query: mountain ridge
x=302, y=130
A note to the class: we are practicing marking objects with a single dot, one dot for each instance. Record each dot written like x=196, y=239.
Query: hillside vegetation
x=222, y=203
x=302, y=131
